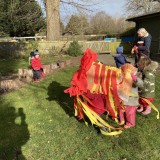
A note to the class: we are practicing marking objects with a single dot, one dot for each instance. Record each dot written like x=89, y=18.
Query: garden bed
x=25, y=75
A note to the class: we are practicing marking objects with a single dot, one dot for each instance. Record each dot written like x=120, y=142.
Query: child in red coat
x=37, y=67
x=42, y=74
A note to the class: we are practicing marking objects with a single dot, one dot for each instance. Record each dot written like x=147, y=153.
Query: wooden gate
x=98, y=46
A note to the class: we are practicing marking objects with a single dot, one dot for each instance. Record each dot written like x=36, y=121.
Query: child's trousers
x=36, y=74
x=129, y=116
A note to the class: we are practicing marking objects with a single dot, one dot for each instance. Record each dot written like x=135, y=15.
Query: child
x=130, y=87
x=36, y=67
x=120, y=59
x=42, y=74
x=137, y=53
x=148, y=68
x=97, y=102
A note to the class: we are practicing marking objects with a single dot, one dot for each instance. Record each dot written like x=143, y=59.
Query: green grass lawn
x=11, y=66
x=39, y=121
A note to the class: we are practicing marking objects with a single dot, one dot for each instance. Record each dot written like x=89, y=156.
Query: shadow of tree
x=14, y=132
x=56, y=93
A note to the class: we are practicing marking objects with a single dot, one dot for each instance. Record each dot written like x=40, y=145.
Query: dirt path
x=104, y=58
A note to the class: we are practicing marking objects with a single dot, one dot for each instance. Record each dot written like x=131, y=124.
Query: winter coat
x=133, y=99
x=145, y=49
x=120, y=60
x=148, y=73
x=36, y=64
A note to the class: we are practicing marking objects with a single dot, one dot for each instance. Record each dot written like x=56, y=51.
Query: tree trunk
x=53, y=20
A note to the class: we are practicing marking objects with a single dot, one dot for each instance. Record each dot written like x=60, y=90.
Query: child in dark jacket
x=119, y=58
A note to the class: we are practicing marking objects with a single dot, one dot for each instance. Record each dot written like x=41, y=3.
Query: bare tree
x=53, y=19
x=137, y=7
x=77, y=25
x=53, y=14
x=101, y=23
x=121, y=25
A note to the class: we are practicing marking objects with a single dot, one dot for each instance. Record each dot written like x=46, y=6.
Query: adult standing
x=142, y=46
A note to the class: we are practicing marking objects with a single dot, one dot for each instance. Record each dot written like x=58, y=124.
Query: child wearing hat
x=119, y=58
x=42, y=74
x=36, y=67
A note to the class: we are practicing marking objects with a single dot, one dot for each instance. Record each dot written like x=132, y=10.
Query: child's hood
x=152, y=67
x=119, y=50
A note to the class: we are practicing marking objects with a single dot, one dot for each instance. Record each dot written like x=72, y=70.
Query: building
x=151, y=22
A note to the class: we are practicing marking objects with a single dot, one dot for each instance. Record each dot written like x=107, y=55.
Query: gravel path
x=109, y=60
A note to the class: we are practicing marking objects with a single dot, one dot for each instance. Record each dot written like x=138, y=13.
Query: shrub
x=74, y=49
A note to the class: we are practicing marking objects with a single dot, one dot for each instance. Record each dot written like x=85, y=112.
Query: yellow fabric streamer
x=151, y=105
x=111, y=97
x=97, y=120
x=115, y=84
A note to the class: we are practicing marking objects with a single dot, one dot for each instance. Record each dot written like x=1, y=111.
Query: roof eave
x=134, y=19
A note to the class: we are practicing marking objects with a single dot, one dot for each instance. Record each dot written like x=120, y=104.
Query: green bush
x=74, y=49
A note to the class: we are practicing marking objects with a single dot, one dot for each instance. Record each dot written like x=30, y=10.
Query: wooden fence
x=96, y=46
x=16, y=49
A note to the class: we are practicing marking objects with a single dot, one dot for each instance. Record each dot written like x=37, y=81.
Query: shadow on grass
x=56, y=93
x=14, y=132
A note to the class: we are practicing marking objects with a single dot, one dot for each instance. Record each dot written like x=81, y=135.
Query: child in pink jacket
x=128, y=115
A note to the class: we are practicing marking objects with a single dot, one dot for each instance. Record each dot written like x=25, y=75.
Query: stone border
x=26, y=76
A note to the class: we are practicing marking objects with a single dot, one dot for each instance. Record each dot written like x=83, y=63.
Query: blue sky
x=111, y=7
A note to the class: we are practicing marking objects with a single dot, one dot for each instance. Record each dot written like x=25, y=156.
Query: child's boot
x=147, y=111
x=43, y=74
x=140, y=109
x=36, y=80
